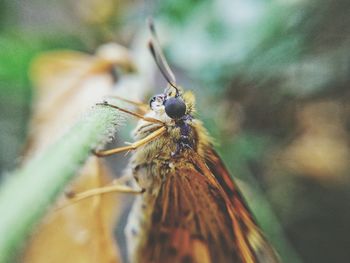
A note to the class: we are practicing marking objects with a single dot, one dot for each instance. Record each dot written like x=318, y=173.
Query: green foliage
x=226, y=38
x=178, y=12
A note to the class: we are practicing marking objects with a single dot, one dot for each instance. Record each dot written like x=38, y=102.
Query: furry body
x=191, y=211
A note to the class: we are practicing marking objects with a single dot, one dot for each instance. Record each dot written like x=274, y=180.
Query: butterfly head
x=172, y=102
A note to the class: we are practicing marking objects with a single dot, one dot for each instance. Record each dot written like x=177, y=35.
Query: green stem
x=27, y=193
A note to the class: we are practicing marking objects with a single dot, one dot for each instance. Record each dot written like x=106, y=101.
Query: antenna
x=161, y=67
x=159, y=57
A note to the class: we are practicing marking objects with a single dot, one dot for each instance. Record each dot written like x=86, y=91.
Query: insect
x=188, y=208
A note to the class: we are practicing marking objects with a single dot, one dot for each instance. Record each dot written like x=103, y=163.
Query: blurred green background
x=272, y=85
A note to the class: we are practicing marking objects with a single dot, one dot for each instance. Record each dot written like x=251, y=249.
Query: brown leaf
x=81, y=232
x=66, y=84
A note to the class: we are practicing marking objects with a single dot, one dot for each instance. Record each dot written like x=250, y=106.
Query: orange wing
x=253, y=245
x=194, y=220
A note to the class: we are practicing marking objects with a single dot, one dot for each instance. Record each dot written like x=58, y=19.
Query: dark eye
x=175, y=108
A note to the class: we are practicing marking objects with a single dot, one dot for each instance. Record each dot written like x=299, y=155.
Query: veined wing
x=253, y=245
x=191, y=221
x=200, y=217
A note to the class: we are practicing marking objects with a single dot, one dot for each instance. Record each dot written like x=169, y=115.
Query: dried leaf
x=81, y=232
x=68, y=83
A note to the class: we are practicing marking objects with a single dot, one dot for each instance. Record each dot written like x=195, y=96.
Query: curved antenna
x=161, y=67
x=159, y=57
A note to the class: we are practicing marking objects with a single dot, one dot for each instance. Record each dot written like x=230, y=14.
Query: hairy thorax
x=150, y=164
x=152, y=161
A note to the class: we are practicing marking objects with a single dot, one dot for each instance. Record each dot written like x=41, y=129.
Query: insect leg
x=132, y=102
x=134, y=145
x=153, y=120
x=113, y=188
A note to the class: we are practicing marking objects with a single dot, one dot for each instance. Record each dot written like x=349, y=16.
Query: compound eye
x=175, y=108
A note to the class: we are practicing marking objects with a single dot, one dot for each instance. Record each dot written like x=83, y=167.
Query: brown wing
x=194, y=220
x=190, y=221
x=250, y=239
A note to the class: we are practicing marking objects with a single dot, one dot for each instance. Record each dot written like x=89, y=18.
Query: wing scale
x=190, y=221
x=248, y=233
x=200, y=217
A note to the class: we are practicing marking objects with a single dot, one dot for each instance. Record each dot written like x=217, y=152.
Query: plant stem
x=27, y=193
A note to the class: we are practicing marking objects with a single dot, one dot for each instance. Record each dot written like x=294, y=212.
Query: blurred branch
x=29, y=191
